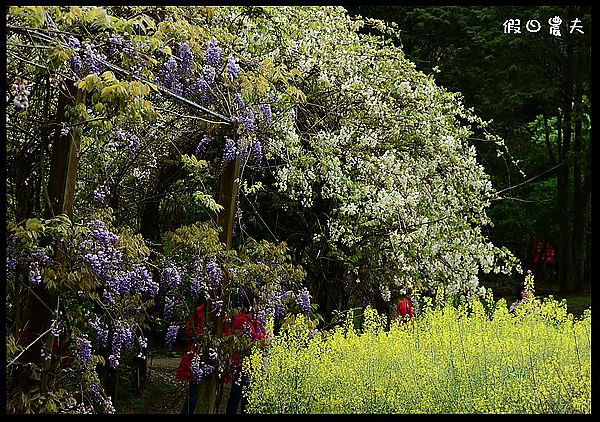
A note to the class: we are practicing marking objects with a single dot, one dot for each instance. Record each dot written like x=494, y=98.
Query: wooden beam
x=228, y=192
x=64, y=160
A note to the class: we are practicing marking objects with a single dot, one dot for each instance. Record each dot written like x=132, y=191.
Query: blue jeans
x=190, y=399
x=236, y=396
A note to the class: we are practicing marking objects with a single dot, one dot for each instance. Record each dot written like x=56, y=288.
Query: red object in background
x=60, y=347
x=404, y=308
x=542, y=251
x=549, y=258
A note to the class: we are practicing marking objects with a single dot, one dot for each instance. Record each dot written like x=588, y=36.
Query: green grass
x=577, y=303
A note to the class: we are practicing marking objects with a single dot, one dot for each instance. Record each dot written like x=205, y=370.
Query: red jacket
x=404, y=308
x=241, y=322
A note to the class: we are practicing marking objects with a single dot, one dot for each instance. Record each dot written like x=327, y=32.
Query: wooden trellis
x=61, y=191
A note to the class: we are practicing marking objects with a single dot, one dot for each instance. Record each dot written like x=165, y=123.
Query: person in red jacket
x=193, y=327
x=404, y=308
x=246, y=325
x=241, y=324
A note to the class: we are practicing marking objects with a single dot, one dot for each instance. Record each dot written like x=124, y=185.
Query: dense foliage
x=477, y=357
x=122, y=126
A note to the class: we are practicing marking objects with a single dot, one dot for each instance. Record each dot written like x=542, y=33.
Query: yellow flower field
x=476, y=357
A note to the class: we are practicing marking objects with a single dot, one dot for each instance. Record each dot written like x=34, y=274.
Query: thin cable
x=530, y=179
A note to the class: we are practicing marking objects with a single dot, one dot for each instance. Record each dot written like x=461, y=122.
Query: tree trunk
x=581, y=198
x=547, y=141
x=565, y=257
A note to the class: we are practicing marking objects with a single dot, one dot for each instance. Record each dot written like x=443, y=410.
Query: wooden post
x=208, y=390
x=228, y=191
x=64, y=161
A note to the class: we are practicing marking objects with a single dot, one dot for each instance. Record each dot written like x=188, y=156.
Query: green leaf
x=33, y=224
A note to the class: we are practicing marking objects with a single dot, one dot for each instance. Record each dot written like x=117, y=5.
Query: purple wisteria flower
x=209, y=74
x=75, y=60
x=303, y=299
x=115, y=44
x=133, y=145
x=248, y=120
x=76, y=65
x=202, y=146
x=215, y=274
x=141, y=280
x=128, y=337
x=265, y=108
x=200, y=369
x=111, y=267
x=233, y=68
x=113, y=361
x=272, y=300
x=100, y=329
x=212, y=56
x=205, y=95
x=101, y=192
x=170, y=277
x=84, y=349
x=168, y=308
x=191, y=88
x=35, y=278
x=123, y=338
x=171, y=336
x=74, y=43
x=256, y=152
x=197, y=284
x=261, y=316
x=101, y=234
x=238, y=100
x=95, y=391
x=41, y=256
x=105, y=261
x=171, y=76
x=229, y=152
x=137, y=61
x=92, y=58
x=114, y=142
x=129, y=51
x=187, y=59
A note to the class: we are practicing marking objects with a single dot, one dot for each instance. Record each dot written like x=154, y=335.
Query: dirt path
x=171, y=391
